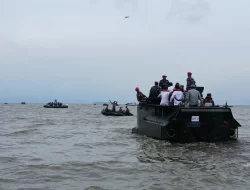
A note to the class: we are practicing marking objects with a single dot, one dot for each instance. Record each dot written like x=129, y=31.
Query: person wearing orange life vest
x=190, y=81
x=140, y=96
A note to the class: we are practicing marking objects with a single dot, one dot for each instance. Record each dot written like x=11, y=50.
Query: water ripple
x=78, y=148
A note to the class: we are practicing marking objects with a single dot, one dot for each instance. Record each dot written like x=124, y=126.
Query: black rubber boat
x=186, y=124
x=111, y=113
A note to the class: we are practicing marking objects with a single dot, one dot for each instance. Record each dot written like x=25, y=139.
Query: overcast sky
x=85, y=50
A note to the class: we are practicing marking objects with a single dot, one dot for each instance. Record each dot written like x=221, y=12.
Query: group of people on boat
x=126, y=111
x=161, y=94
x=55, y=103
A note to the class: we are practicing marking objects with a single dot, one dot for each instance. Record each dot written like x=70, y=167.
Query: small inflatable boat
x=112, y=113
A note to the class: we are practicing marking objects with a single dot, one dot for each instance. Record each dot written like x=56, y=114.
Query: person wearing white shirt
x=164, y=96
x=177, y=96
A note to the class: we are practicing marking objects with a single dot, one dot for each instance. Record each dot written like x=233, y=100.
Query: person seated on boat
x=193, y=97
x=140, y=96
x=177, y=96
x=190, y=81
x=164, y=82
x=208, y=101
x=127, y=110
x=113, y=107
x=164, y=96
x=107, y=108
x=120, y=110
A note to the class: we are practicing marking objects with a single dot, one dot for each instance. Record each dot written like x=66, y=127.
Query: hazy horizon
x=86, y=51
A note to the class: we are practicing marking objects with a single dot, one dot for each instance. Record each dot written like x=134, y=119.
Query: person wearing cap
x=208, y=101
x=164, y=82
x=164, y=96
x=190, y=81
x=177, y=96
x=154, y=91
x=193, y=97
x=139, y=95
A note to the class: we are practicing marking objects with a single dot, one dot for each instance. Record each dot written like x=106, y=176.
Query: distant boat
x=23, y=103
x=5, y=103
x=227, y=106
x=99, y=103
x=131, y=104
x=56, y=104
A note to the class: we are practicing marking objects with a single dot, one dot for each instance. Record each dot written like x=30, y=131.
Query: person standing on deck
x=154, y=91
x=177, y=95
x=164, y=82
x=164, y=96
x=193, y=97
x=140, y=96
x=190, y=81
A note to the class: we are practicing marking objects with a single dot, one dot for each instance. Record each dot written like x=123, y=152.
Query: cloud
x=192, y=11
x=86, y=49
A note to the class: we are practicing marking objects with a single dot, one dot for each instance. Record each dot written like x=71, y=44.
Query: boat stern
x=186, y=124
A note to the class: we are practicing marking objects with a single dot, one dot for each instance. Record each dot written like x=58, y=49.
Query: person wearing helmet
x=193, y=97
x=190, y=81
x=164, y=82
x=208, y=101
x=154, y=92
x=139, y=95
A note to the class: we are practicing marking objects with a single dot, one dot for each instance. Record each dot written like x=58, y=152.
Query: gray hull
x=55, y=106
